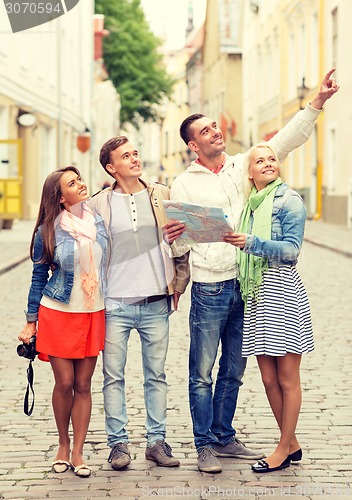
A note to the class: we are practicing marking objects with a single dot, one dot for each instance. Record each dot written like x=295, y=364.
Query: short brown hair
x=107, y=147
x=185, y=128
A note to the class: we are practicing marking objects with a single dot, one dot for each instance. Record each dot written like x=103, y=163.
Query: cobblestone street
x=28, y=444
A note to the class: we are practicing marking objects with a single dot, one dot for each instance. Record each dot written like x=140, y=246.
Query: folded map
x=203, y=224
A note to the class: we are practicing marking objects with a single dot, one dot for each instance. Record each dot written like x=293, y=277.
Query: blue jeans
x=216, y=316
x=152, y=323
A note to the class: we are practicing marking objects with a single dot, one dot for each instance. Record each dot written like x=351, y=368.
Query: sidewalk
x=336, y=238
x=14, y=243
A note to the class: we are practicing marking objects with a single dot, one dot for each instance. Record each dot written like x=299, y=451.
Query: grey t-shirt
x=136, y=267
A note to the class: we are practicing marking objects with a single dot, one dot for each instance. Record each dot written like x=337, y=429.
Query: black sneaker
x=119, y=456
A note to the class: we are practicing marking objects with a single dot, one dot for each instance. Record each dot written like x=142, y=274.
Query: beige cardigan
x=176, y=270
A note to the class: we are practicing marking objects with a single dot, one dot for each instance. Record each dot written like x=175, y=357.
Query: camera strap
x=30, y=378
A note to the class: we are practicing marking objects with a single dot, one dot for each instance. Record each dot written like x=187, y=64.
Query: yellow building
x=261, y=61
x=289, y=45
x=222, y=69
x=220, y=84
x=174, y=153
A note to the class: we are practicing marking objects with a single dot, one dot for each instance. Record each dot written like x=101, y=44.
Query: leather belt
x=140, y=302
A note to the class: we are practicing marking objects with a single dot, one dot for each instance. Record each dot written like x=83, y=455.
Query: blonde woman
x=277, y=322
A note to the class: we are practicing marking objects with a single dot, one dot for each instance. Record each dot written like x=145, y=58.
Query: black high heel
x=296, y=456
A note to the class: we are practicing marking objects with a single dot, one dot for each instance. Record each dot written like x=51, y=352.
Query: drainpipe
x=59, y=95
x=319, y=201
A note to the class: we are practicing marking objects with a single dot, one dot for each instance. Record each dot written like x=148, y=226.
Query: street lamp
x=301, y=92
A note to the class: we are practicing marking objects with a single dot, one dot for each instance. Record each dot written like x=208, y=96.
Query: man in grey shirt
x=142, y=278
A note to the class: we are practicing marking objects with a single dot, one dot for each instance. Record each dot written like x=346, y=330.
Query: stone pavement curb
x=14, y=244
x=10, y=265
x=317, y=242
x=329, y=236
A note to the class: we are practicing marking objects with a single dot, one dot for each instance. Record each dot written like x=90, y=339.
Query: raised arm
x=328, y=88
x=299, y=128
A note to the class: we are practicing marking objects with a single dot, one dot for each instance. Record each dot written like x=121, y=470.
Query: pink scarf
x=83, y=230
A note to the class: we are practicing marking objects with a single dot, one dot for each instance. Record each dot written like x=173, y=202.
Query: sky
x=169, y=17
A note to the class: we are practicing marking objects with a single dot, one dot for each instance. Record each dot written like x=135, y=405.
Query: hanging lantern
x=83, y=141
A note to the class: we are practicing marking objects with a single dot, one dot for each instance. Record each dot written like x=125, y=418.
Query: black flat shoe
x=263, y=466
x=296, y=456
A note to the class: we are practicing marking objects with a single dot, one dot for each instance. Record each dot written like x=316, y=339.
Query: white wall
x=49, y=68
x=48, y=71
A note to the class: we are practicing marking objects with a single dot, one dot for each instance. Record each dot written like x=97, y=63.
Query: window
x=47, y=151
x=301, y=166
x=314, y=51
x=166, y=144
x=292, y=73
x=313, y=170
x=289, y=169
x=302, y=59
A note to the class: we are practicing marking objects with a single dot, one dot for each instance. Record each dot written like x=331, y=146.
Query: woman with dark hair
x=65, y=309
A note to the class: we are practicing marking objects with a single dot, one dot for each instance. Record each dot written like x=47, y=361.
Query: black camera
x=28, y=350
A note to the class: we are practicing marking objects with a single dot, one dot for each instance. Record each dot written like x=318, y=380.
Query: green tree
x=132, y=59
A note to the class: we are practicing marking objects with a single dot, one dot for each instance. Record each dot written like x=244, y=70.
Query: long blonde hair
x=246, y=181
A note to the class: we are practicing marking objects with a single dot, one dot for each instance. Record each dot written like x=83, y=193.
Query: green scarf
x=251, y=268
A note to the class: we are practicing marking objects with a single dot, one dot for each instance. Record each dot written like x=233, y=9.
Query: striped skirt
x=279, y=321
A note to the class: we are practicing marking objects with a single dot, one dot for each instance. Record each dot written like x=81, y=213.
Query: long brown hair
x=50, y=207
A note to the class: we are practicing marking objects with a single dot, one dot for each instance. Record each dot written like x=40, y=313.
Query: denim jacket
x=59, y=285
x=288, y=221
